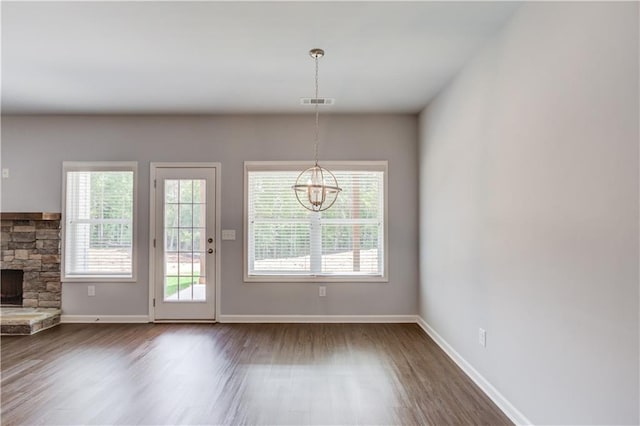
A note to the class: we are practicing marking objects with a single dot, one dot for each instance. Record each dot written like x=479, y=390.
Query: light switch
x=228, y=234
x=5, y=173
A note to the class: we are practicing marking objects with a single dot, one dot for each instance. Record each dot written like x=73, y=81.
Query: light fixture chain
x=316, y=188
x=317, y=135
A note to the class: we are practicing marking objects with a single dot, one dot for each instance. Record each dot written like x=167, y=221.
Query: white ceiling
x=235, y=57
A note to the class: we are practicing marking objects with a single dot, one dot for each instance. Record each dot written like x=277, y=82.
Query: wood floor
x=278, y=374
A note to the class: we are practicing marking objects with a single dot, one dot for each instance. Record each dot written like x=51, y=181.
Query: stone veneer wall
x=33, y=246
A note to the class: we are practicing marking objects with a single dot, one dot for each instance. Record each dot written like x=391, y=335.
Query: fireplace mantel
x=30, y=216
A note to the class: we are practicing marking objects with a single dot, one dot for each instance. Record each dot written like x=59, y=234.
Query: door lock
x=210, y=240
x=210, y=251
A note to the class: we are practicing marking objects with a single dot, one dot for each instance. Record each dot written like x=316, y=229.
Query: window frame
x=99, y=166
x=380, y=166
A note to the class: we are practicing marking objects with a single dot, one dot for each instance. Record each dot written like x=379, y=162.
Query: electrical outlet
x=482, y=337
x=322, y=291
x=91, y=290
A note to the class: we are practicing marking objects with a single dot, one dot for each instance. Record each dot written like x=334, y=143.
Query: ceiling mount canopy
x=316, y=54
x=316, y=188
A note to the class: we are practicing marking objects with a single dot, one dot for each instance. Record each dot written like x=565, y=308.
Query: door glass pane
x=184, y=240
x=171, y=191
x=199, y=195
x=199, y=239
x=170, y=214
x=199, y=215
x=186, y=191
x=186, y=215
x=171, y=240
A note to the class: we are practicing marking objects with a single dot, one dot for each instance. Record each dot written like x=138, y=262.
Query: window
x=99, y=215
x=286, y=242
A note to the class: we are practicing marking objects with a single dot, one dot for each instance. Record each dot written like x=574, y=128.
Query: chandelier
x=316, y=188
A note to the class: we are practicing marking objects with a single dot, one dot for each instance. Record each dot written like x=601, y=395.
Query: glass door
x=185, y=243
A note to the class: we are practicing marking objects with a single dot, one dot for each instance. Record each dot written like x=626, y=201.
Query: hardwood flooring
x=279, y=374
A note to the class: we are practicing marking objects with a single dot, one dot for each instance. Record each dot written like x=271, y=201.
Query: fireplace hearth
x=30, y=272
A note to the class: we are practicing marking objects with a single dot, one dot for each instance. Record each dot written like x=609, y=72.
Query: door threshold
x=184, y=321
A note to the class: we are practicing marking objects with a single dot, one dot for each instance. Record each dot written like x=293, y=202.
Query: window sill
x=315, y=279
x=97, y=279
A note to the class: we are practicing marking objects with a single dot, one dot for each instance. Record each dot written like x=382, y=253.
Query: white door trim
x=153, y=166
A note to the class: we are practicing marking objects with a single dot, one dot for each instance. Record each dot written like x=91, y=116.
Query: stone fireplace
x=31, y=244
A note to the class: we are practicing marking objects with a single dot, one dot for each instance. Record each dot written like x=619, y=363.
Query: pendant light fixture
x=316, y=188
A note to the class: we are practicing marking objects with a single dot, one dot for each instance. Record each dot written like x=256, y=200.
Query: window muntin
x=99, y=217
x=344, y=243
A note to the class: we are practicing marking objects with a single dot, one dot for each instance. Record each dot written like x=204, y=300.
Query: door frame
x=153, y=166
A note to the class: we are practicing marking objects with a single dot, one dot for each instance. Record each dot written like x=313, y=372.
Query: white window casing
x=284, y=242
x=99, y=210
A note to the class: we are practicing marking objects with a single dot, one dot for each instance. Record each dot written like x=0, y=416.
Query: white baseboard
x=104, y=319
x=503, y=404
x=251, y=319
x=318, y=318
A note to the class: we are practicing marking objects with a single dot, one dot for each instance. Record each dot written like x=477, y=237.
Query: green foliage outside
x=185, y=214
x=111, y=198
x=282, y=226
x=171, y=284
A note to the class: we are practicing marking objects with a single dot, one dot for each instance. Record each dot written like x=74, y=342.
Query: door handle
x=210, y=251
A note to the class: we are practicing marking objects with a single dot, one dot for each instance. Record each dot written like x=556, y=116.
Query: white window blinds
x=99, y=214
x=346, y=240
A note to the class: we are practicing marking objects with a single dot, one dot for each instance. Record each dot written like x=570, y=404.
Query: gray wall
x=33, y=147
x=529, y=212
